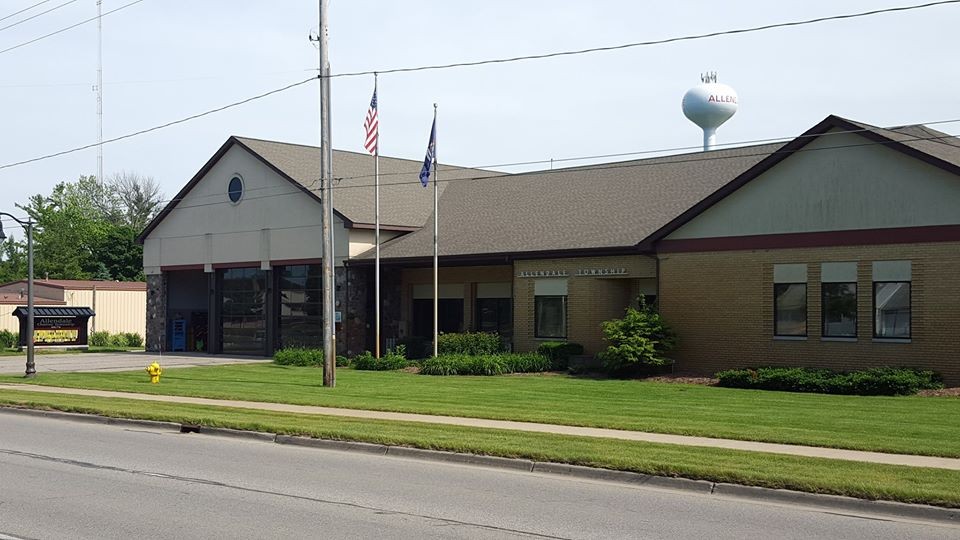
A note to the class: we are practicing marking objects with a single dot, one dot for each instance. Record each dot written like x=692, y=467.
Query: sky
x=167, y=59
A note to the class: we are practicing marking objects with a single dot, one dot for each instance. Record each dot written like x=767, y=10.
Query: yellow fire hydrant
x=154, y=370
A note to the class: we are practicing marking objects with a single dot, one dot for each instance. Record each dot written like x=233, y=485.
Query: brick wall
x=590, y=300
x=156, y=312
x=721, y=305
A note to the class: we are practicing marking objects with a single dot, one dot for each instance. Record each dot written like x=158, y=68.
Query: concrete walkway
x=86, y=362
x=789, y=449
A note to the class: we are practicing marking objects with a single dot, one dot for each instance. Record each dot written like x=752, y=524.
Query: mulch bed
x=953, y=392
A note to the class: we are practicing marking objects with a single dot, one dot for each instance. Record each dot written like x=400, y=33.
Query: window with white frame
x=838, y=299
x=550, y=308
x=892, y=299
x=790, y=300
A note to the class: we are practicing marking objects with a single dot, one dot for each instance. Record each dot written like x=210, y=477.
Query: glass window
x=550, y=314
x=243, y=310
x=300, y=289
x=235, y=189
x=495, y=315
x=790, y=309
x=450, y=318
x=891, y=309
x=839, y=309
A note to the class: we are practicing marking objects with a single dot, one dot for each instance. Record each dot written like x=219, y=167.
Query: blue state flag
x=429, y=160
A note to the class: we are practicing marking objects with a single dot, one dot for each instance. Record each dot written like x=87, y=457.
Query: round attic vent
x=235, y=189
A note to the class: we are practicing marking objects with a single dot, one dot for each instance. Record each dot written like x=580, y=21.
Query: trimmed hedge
x=8, y=339
x=298, y=356
x=559, y=352
x=122, y=340
x=487, y=364
x=884, y=381
x=395, y=359
x=474, y=343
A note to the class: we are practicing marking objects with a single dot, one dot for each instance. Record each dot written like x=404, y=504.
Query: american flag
x=372, y=126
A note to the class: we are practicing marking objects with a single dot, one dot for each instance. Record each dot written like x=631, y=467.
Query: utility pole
x=100, y=92
x=326, y=185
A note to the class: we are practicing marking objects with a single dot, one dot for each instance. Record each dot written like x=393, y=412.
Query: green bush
x=8, y=339
x=559, y=352
x=393, y=360
x=99, y=339
x=133, y=339
x=343, y=361
x=638, y=341
x=298, y=356
x=870, y=382
x=474, y=343
x=487, y=364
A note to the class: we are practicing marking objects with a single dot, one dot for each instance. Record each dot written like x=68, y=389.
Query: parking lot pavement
x=51, y=363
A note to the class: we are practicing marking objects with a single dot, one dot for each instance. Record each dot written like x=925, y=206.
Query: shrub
x=133, y=339
x=487, y=364
x=99, y=339
x=475, y=343
x=559, y=352
x=393, y=360
x=298, y=356
x=343, y=361
x=876, y=381
x=639, y=340
x=417, y=348
x=8, y=339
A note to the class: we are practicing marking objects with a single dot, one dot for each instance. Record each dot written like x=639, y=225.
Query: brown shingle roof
x=17, y=300
x=403, y=201
x=612, y=205
x=619, y=205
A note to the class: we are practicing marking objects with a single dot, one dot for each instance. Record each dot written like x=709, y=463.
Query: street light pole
x=31, y=370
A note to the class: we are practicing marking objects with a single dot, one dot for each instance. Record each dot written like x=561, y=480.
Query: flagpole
x=376, y=182
x=436, y=219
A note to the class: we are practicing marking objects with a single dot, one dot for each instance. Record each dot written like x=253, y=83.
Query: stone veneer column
x=156, y=312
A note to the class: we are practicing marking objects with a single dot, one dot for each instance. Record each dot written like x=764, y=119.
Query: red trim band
x=859, y=237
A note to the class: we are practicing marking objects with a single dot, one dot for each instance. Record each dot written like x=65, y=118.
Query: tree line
x=86, y=229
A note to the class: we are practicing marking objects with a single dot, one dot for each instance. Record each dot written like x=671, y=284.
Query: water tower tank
x=709, y=105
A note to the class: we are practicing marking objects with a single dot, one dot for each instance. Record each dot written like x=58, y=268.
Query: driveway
x=50, y=363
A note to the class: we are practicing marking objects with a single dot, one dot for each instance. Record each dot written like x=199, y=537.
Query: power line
x=649, y=43
x=28, y=8
x=161, y=126
x=21, y=21
x=72, y=26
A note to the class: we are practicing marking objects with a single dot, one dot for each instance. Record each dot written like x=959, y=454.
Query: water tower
x=708, y=105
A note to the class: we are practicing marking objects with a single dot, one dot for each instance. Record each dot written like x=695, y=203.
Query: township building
x=838, y=249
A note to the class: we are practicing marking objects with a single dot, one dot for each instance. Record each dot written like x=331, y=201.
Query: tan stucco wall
x=274, y=221
x=363, y=240
x=837, y=182
x=721, y=305
x=117, y=311
x=590, y=300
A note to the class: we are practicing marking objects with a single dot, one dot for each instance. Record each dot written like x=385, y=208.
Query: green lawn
x=913, y=425
x=871, y=481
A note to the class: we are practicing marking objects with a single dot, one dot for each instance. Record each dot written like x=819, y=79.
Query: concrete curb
x=831, y=503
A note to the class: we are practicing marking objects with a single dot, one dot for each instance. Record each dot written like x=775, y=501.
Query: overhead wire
x=71, y=27
x=622, y=46
x=28, y=8
x=460, y=64
x=21, y=21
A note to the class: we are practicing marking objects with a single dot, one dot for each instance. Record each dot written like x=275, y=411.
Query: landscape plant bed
x=815, y=475
x=907, y=425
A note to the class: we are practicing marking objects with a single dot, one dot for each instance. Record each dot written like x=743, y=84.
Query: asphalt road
x=64, y=479
x=52, y=363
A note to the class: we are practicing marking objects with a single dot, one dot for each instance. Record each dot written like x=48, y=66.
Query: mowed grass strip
x=855, y=479
x=908, y=425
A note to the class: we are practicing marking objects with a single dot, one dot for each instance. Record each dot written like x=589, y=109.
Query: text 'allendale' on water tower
x=709, y=105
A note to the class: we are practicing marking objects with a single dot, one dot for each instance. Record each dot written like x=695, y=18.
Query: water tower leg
x=709, y=138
